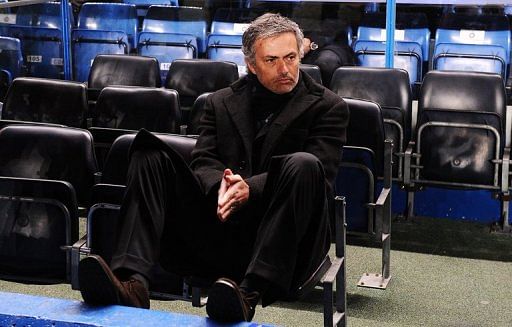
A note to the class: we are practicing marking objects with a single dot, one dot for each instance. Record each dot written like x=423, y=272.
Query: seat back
x=313, y=71
x=39, y=28
x=178, y=20
x=473, y=43
x=48, y=152
x=38, y=217
x=411, y=42
x=464, y=91
x=196, y=113
x=116, y=165
x=390, y=88
x=124, y=70
x=460, y=133
x=108, y=17
x=225, y=39
x=362, y=162
x=46, y=14
x=47, y=101
x=194, y=77
x=128, y=107
x=11, y=58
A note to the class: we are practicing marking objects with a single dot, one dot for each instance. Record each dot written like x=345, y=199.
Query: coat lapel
x=301, y=101
x=238, y=107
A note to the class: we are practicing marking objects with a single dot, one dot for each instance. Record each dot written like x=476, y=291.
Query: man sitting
x=253, y=207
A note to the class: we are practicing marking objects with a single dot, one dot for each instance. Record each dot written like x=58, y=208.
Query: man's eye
x=270, y=60
x=291, y=58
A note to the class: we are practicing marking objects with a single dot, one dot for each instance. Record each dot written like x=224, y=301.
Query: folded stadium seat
x=367, y=155
x=43, y=100
x=460, y=136
x=390, y=88
x=473, y=43
x=39, y=29
x=102, y=28
x=313, y=71
x=126, y=109
x=11, y=60
x=193, y=77
x=122, y=70
x=170, y=33
x=102, y=222
x=46, y=173
x=196, y=113
x=411, y=42
x=225, y=38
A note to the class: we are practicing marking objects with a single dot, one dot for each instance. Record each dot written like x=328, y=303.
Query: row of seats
x=41, y=191
x=462, y=42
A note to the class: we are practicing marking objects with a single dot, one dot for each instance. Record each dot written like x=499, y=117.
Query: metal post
x=66, y=44
x=390, y=32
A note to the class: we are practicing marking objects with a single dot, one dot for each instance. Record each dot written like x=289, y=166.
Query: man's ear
x=250, y=67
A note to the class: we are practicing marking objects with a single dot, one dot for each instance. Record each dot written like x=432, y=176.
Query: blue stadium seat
x=473, y=43
x=225, y=39
x=103, y=28
x=143, y=5
x=411, y=43
x=11, y=58
x=170, y=33
x=38, y=27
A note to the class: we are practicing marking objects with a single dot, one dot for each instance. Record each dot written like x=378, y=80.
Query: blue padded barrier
x=37, y=311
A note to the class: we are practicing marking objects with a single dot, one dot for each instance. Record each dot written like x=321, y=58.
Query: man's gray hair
x=269, y=25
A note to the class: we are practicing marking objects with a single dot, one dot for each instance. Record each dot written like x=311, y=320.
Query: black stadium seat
x=196, y=113
x=45, y=174
x=46, y=101
x=193, y=77
x=460, y=135
x=389, y=88
x=367, y=155
x=122, y=70
x=126, y=109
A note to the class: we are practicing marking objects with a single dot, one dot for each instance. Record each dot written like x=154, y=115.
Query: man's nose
x=282, y=68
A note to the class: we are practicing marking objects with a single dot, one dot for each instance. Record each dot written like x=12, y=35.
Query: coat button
x=243, y=164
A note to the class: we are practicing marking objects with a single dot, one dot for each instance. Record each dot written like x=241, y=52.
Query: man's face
x=277, y=62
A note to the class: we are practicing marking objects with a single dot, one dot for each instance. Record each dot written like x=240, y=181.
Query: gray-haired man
x=252, y=209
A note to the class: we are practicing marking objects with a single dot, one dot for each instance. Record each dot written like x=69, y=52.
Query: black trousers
x=166, y=218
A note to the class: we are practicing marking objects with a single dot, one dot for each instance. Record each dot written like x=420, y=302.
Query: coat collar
x=238, y=104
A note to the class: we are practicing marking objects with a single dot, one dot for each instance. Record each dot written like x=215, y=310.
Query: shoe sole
x=224, y=303
x=96, y=284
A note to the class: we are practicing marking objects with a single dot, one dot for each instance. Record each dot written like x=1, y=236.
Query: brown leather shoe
x=228, y=303
x=99, y=285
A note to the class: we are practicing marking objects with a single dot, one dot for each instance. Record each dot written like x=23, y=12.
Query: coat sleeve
x=327, y=134
x=206, y=163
